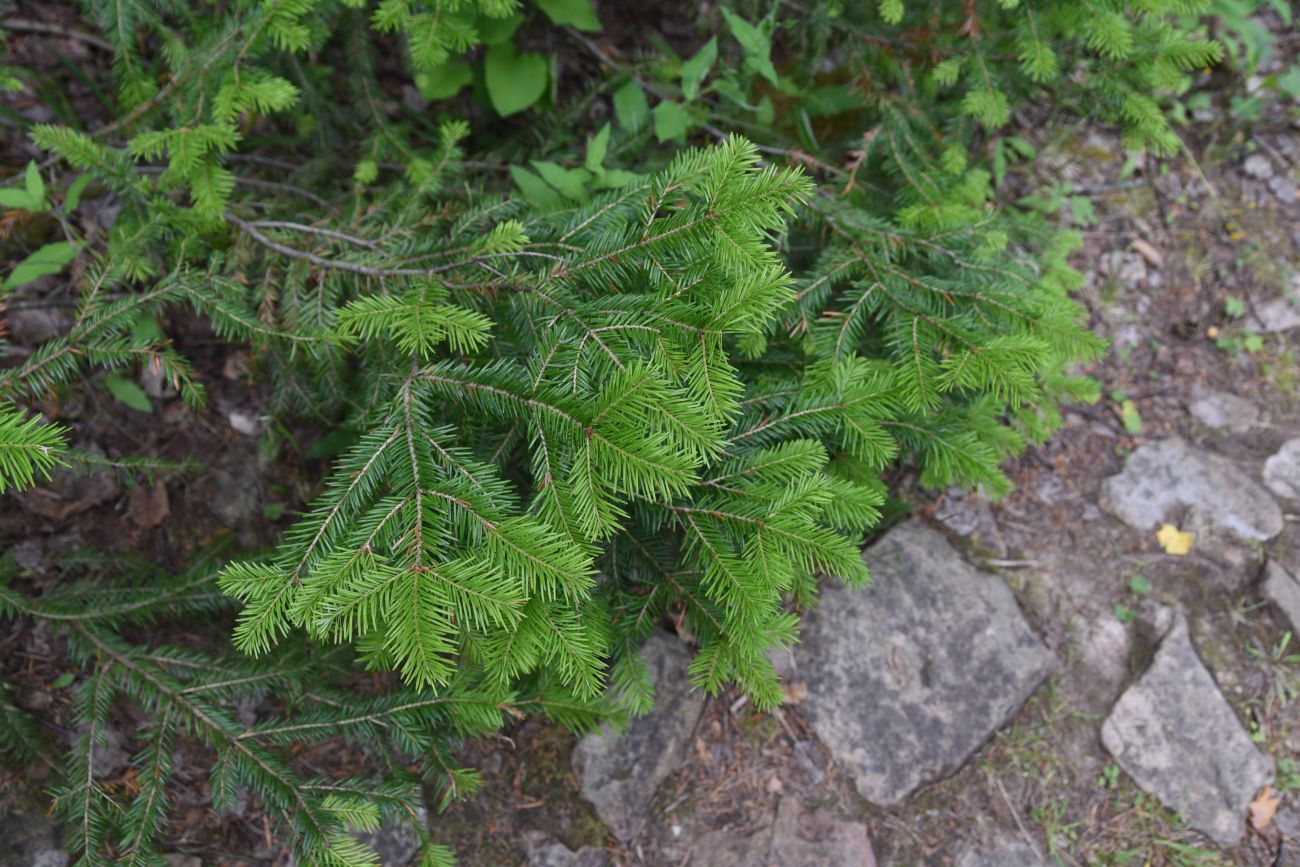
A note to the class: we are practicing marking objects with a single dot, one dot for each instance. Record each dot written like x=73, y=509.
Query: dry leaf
x=148, y=506
x=1174, y=540
x=793, y=691
x=1151, y=254
x=1263, y=808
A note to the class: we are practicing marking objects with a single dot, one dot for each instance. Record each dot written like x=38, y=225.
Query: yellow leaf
x=1263, y=808
x=1174, y=540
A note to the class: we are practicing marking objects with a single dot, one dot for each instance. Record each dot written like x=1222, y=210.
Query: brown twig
x=24, y=25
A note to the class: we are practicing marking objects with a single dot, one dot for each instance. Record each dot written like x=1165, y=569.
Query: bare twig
x=251, y=229
x=24, y=25
x=286, y=188
x=315, y=230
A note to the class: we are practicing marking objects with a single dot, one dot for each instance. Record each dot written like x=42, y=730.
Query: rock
x=1283, y=590
x=30, y=839
x=1176, y=736
x=970, y=515
x=1282, y=471
x=908, y=676
x=1283, y=188
x=1281, y=314
x=1104, y=649
x=1287, y=822
x=543, y=850
x=1163, y=477
x=619, y=773
x=813, y=838
x=799, y=837
x=1225, y=411
x=725, y=848
x=957, y=513
x=1003, y=853
x=1258, y=166
x=396, y=843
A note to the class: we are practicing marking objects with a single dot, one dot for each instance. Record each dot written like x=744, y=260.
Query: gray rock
x=543, y=850
x=1283, y=590
x=727, y=848
x=1163, y=477
x=619, y=773
x=908, y=676
x=970, y=515
x=1104, y=648
x=958, y=514
x=1258, y=166
x=1282, y=471
x=1176, y=736
x=1002, y=853
x=396, y=843
x=1283, y=188
x=1225, y=411
x=1287, y=822
x=1280, y=314
x=30, y=839
x=814, y=838
x=799, y=837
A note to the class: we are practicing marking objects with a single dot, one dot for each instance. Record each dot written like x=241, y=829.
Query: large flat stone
x=1225, y=411
x=619, y=772
x=909, y=676
x=1176, y=736
x=798, y=837
x=1002, y=853
x=1162, y=478
x=543, y=850
x=814, y=838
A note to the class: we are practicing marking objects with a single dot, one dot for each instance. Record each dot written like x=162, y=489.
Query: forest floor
x=1181, y=256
